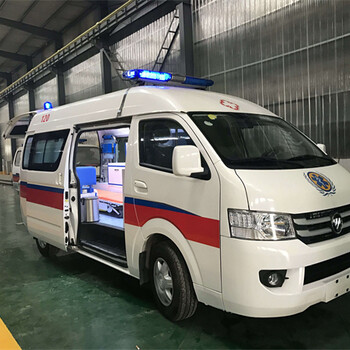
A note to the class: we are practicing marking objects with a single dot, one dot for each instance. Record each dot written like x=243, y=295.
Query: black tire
x=179, y=302
x=46, y=249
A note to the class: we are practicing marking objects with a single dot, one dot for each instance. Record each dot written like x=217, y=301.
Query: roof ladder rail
x=168, y=42
x=115, y=61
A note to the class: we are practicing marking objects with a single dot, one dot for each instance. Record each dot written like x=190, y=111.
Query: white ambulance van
x=208, y=197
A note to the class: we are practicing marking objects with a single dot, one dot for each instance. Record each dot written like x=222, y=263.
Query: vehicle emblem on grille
x=337, y=223
x=321, y=182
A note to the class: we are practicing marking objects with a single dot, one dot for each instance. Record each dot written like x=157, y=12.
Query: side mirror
x=322, y=147
x=186, y=160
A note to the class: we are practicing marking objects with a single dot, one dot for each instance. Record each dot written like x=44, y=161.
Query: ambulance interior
x=100, y=167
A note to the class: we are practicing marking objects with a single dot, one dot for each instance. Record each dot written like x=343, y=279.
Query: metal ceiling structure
x=39, y=40
x=128, y=17
x=27, y=27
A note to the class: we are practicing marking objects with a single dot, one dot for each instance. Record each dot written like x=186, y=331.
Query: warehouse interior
x=290, y=56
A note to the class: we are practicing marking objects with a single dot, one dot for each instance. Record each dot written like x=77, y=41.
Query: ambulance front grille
x=317, y=226
x=327, y=268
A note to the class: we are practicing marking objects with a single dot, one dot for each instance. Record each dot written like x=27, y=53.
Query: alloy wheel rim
x=163, y=281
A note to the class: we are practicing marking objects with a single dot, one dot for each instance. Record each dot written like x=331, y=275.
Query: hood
x=297, y=190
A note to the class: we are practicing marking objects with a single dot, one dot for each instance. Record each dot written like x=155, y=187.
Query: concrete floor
x=75, y=303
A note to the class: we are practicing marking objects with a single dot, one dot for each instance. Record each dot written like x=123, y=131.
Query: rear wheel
x=46, y=249
x=171, y=283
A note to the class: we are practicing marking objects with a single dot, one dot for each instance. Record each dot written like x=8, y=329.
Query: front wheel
x=171, y=283
x=46, y=249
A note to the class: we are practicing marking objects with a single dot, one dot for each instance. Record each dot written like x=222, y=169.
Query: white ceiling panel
x=13, y=41
x=16, y=9
x=11, y=65
x=70, y=13
x=29, y=47
x=3, y=31
x=42, y=12
x=57, y=23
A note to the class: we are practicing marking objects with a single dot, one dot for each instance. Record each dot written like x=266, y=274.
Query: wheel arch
x=157, y=230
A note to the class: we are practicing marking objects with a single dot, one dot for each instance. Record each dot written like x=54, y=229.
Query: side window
x=43, y=152
x=18, y=158
x=158, y=137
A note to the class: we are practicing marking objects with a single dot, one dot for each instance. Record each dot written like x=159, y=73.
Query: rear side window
x=43, y=152
x=158, y=138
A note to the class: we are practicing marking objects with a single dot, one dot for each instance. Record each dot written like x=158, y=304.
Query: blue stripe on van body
x=43, y=195
x=193, y=227
x=156, y=205
x=44, y=188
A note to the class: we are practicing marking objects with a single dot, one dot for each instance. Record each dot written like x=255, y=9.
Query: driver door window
x=158, y=138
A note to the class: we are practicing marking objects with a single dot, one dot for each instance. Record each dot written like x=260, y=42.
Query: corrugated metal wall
x=290, y=56
x=21, y=105
x=46, y=92
x=84, y=80
x=140, y=49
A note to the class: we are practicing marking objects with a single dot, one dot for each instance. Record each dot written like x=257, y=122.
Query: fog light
x=272, y=279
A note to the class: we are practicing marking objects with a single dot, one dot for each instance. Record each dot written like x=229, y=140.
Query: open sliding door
x=44, y=186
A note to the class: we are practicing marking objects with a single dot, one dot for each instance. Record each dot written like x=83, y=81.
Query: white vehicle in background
x=16, y=166
x=16, y=129
x=219, y=200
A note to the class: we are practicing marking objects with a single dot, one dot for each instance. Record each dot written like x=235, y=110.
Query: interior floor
x=73, y=302
x=111, y=221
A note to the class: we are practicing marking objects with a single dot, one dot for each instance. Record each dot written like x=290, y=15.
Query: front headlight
x=260, y=226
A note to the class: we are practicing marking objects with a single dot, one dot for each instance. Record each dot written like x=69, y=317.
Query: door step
x=112, y=254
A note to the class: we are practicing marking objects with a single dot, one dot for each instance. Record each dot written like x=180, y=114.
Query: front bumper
x=243, y=292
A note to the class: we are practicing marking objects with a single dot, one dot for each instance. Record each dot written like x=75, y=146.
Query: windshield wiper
x=264, y=161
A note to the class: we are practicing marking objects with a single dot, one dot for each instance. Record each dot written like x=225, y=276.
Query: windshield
x=88, y=155
x=250, y=141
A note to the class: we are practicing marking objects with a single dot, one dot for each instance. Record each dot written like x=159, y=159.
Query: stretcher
x=110, y=202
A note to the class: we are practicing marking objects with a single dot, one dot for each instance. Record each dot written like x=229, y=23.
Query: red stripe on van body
x=49, y=199
x=194, y=228
x=47, y=196
x=130, y=214
x=23, y=190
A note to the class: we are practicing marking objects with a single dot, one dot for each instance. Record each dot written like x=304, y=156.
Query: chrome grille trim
x=317, y=226
x=301, y=222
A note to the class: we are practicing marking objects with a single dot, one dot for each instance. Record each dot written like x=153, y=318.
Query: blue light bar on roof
x=142, y=74
x=47, y=105
x=163, y=77
x=198, y=81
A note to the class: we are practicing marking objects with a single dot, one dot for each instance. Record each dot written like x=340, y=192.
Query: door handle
x=140, y=184
x=59, y=180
